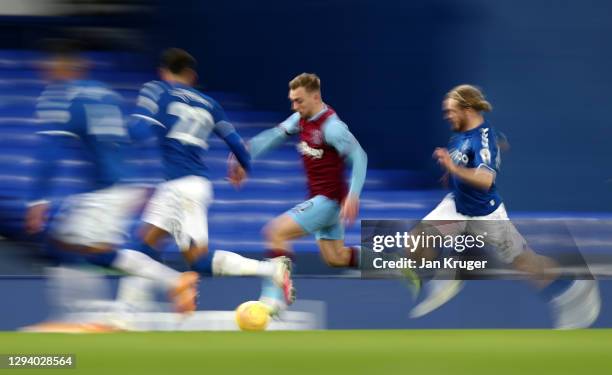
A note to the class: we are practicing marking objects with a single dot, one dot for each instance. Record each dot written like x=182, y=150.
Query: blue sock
x=146, y=249
x=203, y=265
x=555, y=288
x=59, y=256
x=102, y=259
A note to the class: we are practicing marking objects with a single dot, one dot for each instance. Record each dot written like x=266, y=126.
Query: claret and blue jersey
x=475, y=148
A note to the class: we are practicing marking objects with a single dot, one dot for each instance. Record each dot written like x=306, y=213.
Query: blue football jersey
x=475, y=148
x=183, y=119
x=91, y=114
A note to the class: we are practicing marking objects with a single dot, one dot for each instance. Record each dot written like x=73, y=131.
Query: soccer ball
x=253, y=316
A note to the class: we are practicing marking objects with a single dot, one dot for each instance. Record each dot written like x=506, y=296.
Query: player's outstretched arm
x=235, y=143
x=481, y=177
x=267, y=140
x=272, y=138
x=239, y=160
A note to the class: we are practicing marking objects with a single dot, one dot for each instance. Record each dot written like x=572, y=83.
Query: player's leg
x=574, y=303
x=191, y=234
x=335, y=254
x=319, y=215
x=331, y=246
x=280, y=231
x=305, y=218
x=102, y=218
x=512, y=249
x=92, y=226
x=179, y=209
x=442, y=220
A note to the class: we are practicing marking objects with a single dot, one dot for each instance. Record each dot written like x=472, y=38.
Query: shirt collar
x=319, y=114
x=474, y=130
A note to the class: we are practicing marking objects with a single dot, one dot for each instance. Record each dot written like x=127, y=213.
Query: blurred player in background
x=472, y=162
x=326, y=146
x=182, y=119
x=93, y=223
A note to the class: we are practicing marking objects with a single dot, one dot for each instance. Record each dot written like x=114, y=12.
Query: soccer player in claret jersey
x=326, y=146
x=472, y=162
x=182, y=119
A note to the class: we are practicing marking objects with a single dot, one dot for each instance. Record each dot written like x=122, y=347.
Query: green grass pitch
x=418, y=352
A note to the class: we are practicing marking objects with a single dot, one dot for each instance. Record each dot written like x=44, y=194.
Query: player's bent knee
x=195, y=252
x=526, y=262
x=152, y=235
x=269, y=231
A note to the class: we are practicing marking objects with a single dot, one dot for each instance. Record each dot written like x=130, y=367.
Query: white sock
x=70, y=289
x=138, y=264
x=232, y=264
x=136, y=292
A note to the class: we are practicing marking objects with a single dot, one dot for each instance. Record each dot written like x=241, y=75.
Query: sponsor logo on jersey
x=306, y=150
x=459, y=157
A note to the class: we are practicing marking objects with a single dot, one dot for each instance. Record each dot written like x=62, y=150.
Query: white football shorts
x=180, y=207
x=98, y=218
x=500, y=232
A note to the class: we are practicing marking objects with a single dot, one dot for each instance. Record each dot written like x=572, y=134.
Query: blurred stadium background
x=384, y=67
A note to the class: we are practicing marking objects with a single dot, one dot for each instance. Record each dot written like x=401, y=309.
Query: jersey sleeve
x=337, y=135
x=149, y=98
x=274, y=137
x=485, y=151
x=291, y=125
x=226, y=131
x=145, y=119
x=222, y=126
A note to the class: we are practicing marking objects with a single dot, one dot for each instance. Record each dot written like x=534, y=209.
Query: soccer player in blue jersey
x=94, y=222
x=182, y=119
x=472, y=161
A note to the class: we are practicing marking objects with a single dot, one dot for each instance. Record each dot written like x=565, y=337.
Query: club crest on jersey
x=306, y=150
x=316, y=137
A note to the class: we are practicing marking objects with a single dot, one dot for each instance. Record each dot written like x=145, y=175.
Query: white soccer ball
x=253, y=316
